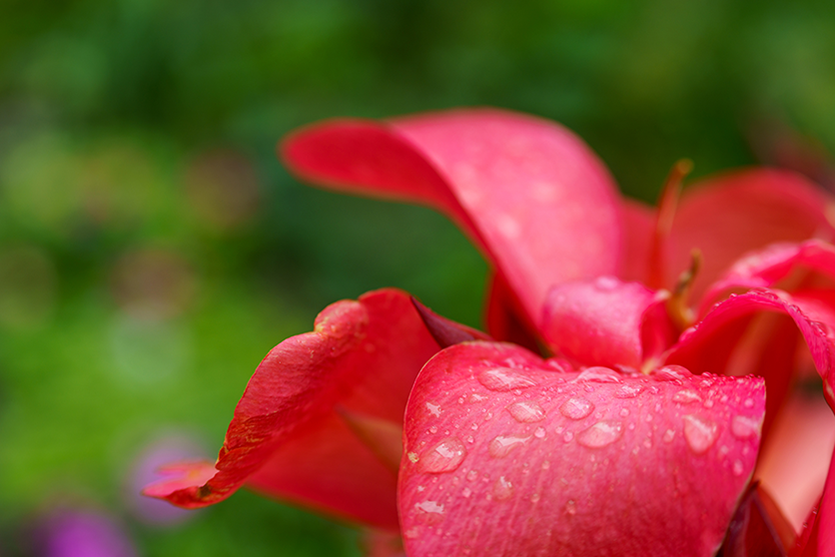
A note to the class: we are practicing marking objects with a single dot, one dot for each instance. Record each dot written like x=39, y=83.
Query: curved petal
x=529, y=192
x=729, y=215
x=607, y=322
x=709, y=345
x=288, y=437
x=639, y=227
x=505, y=319
x=506, y=455
x=767, y=267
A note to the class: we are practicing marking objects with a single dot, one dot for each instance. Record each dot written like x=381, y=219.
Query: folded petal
x=529, y=192
x=506, y=455
x=773, y=264
x=729, y=215
x=607, y=322
x=294, y=434
x=710, y=345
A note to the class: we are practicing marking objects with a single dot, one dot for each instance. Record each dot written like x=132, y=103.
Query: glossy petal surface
x=522, y=459
x=528, y=191
x=287, y=437
x=729, y=215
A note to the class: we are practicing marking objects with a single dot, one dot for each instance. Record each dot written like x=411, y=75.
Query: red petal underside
x=287, y=437
x=801, y=264
x=445, y=331
x=528, y=191
x=505, y=320
x=758, y=529
x=607, y=322
x=508, y=456
x=735, y=213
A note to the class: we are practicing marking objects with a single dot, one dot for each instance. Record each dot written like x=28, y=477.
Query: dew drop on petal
x=568, y=436
x=570, y=508
x=686, y=396
x=748, y=403
x=472, y=475
x=476, y=397
x=598, y=374
x=600, y=434
x=444, y=457
x=624, y=412
x=466, y=492
x=527, y=411
x=628, y=391
x=504, y=379
x=668, y=436
x=501, y=445
x=502, y=489
x=671, y=373
x=743, y=427
x=577, y=408
x=433, y=409
x=539, y=433
x=737, y=468
x=700, y=433
x=606, y=283
x=430, y=512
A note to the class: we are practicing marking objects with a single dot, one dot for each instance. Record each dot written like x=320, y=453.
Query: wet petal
x=607, y=322
x=594, y=466
x=287, y=438
x=529, y=192
x=731, y=214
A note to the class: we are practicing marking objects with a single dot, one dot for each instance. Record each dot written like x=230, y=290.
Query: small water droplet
x=467, y=492
x=709, y=403
x=624, y=412
x=743, y=427
x=748, y=403
x=598, y=374
x=647, y=444
x=577, y=408
x=700, y=433
x=568, y=436
x=433, y=429
x=601, y=434
x=539, y=433
x=737, y=468
x=472, y=475
x=412, y=533
x=503, y=489
x=501, y=445
x=629, y=391
x=430, y=512
x=546, y=464
x=671, y=373
x=535, y=497
x=606, y=283
x=570, y=508
x=476, y=397
x=686, y=396
x=433, y=409
x=669, y=435
x=413, y=457
x=504, y=379
x=527, y=411
x=444, y=457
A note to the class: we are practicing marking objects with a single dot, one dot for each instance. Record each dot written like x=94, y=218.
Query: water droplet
x=412, y=533
x=669, y=435
x=434, y=409
x=737, y=468
x=628, y=391
x=606, y=283
x=444, y=457
x=577, y=408
x=539, y=433
x=476, y=397
x=502, y=489
x=413, y=457
x=748, y=403
x=647, y=444
x=504, y=379
x=568, y=436
x=700, y=433
x=472, y=475
x=467, y=492
x=686, y=396
x=527, y=411
x=501, y=445
x=601, y=434
x=743, y=427
x=598, y=374
x=672, y=373
x=535, y=497
x=430, y=512
x=433, y=429
x=624, y=412
x=546, y=465
x=570, y=508
x=708, y=403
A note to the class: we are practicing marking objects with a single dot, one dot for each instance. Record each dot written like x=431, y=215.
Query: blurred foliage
x=152, y=249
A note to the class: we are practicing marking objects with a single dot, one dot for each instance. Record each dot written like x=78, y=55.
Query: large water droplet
x=686, y=396
x=501, y=445
x=601, y=434
x=444, y=457
x=598, y=374
x=743, y=427
x=628, y=391
x=502, y=489
x=700, y=433
x=577, y=408
x=504, y=379
x=527, y=411
x=672, y=373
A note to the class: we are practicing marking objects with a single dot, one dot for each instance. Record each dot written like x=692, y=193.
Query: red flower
x=642, y=435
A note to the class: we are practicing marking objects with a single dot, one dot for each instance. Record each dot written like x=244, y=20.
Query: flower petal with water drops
x=525, y=459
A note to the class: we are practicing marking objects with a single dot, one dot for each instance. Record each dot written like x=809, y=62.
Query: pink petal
x=710, y=344
x=288, y=437
x=826, y=518
x=639, y=226
x=529, y=192
x=522, y=459
x=607, y=322
x=729, y=215
x=505, y=319
x=765, y=268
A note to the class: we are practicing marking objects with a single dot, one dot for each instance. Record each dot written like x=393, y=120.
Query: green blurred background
x=152, y=249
